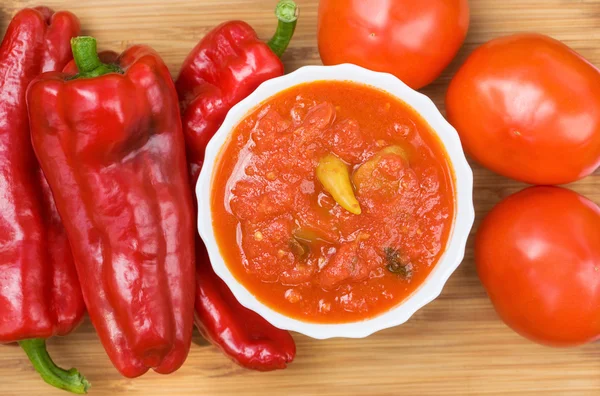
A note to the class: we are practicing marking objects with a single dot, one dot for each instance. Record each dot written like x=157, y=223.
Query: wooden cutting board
x=454, y=346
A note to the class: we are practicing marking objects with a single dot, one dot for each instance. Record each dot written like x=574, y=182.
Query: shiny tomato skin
x=538, y=257
x=528, y=107
x=414, y=40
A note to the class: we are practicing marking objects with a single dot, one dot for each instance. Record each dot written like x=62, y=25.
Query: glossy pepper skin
x=109, y=140
x=226, y=66
x=242, y=334
x=40, y=295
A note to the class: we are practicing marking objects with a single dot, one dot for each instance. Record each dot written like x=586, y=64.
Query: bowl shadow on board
x=198, y=339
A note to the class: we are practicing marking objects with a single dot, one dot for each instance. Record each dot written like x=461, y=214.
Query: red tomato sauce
x=288, y=241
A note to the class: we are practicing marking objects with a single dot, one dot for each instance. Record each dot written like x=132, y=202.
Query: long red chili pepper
x=109, y=140
x=241, y=334
x=40, y=295
x=226, y=66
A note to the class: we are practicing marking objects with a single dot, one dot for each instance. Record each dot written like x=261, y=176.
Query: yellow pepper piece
x=397, y=150
x=364, y=171
x=333, y=173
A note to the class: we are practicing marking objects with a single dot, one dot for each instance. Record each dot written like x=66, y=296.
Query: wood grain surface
x=454, y=346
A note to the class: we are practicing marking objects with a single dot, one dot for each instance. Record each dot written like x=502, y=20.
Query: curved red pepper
x=40, y=295
x=241, y=334
x=228, y=64
x=110, y=143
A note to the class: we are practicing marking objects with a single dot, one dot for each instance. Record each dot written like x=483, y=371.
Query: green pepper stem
x=287, y=14
x=69, y=380
x=86, y=58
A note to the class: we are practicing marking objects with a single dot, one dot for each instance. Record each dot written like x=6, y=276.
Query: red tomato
x=414, y=40
x=528, y=107
x=538, y=257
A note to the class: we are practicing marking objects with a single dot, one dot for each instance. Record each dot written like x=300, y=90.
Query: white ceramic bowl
x=464, y=212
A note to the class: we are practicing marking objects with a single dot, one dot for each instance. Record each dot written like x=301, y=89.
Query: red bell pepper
x=109, y=140
x=40, y=295
x=226, y=66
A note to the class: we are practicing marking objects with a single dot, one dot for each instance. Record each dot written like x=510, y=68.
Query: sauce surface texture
x=285, y=237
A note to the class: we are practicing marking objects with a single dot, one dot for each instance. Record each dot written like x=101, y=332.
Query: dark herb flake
x=395, y=264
